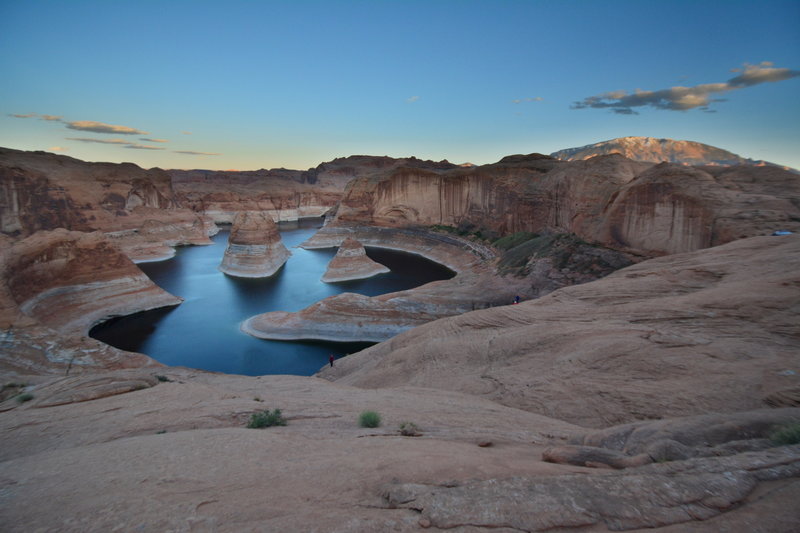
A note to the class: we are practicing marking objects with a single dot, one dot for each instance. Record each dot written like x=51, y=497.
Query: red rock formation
x=255, y=249
x=351, y=262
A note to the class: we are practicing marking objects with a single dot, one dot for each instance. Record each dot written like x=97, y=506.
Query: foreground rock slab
x=255, y=249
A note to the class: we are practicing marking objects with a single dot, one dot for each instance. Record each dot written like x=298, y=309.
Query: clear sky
x=262, y=84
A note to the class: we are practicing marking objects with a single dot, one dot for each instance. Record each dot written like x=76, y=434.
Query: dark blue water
x=203, y=332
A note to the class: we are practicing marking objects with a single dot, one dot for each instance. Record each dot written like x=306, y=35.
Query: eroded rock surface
x=709, y=331
x=351, y=262
x=255, y=248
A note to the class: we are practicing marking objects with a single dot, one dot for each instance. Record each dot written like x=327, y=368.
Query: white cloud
x=685, y=98
x=26, y=115
x=153, y=140
x=528, y=99
x=101, y=127
x=190, y=152
x=412, y=99
x=51, y=118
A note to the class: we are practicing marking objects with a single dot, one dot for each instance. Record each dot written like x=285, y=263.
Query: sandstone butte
x=255, y=248
x=351, y=262
x=641, y=401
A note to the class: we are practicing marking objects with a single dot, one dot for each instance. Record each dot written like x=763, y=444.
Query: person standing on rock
x=330, y=359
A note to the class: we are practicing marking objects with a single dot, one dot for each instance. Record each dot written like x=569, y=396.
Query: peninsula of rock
x=351, y=262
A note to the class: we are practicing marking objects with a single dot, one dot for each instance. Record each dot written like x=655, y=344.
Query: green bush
x=265, y=419
x=162, y=378
x=369, y=419
x=24, y=397
x=409, y=429
x=515, y=239
x=788, y=434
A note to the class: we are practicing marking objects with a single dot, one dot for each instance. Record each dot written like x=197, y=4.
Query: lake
x=203, y=332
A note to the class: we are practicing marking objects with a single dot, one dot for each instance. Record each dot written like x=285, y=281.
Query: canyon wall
x=609, y=200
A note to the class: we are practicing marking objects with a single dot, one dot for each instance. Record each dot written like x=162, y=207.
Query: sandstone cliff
x=44, y=191
x=351, y=262
x=255, y=249
x=609, y=200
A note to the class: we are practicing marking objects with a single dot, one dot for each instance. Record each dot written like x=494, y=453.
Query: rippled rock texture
x=255, y=248
x=351, y=262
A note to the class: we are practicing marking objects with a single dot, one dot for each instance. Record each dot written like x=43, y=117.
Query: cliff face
x=42, y=191
x=609, y=200
x=255, y=248
x=281, y=193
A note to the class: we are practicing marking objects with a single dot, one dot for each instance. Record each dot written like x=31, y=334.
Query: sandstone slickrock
x=351, y=262
x=709, y=331
x=255, y=248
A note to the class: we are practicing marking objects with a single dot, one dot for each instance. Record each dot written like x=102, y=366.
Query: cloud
x=101, y=141
x=100, y=127
x=412, y=99
x=27, y=115
x=153, y=140
x=186, y=132
x=51, y=118
x=58, y=149
x=122, y=142
x=135, y=146
x=685, y=98
x=529, y=99
x=189, y=152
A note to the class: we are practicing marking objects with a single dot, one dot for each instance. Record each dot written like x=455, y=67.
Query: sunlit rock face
x=255, y=249
x=136, y=207
x=610, y=200
x=657, y=151
x=351, y=262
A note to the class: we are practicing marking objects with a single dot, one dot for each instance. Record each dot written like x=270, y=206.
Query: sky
x=266, y=84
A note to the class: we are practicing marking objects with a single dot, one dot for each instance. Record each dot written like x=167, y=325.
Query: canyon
x=653, y=295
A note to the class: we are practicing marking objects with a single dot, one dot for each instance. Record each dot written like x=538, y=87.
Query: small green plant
x=409, y=429
x=265, y=419
x=257, y=399
x=24, y=397
x=163, y=379
x=788, y=434
x=369, y=419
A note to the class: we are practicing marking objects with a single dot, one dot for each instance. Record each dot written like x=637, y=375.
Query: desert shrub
x=515, y=239
x=24, y=397
x=163, y=379
x=409, y=429
x=369, y=419
x=265, y=419
x=788, y=434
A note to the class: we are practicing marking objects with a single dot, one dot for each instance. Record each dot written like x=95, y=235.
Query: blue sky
x=249, y=84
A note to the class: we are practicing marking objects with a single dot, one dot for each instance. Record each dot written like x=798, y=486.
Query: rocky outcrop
x=709, y=331
x=351, y=262
x=283, y=194
x=255, y=249
x=657, y=151
x=608, y=200
x=45, y=191
x=55, y=286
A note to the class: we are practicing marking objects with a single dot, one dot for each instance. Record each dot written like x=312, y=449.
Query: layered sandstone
x=255, y=248
x=351, y=262
x=136, y=207
x=608, y=200
x=56, y=285
x=709, y=331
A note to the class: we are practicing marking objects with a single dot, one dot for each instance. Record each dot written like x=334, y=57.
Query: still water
x=203, y=332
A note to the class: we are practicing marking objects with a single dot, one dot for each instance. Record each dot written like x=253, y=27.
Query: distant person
x=330, y=359
x=516, y=299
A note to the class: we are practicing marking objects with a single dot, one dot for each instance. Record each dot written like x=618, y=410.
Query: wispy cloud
x=51, y=118
x=153, y=140
x=58, y=149
x=101, y=127
x=186, y=132
x=685, y=98
x=412, y=99
x=25, y=115
x=529, y=99
x=190, y=152
x=124, y=143
x=101, y=141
